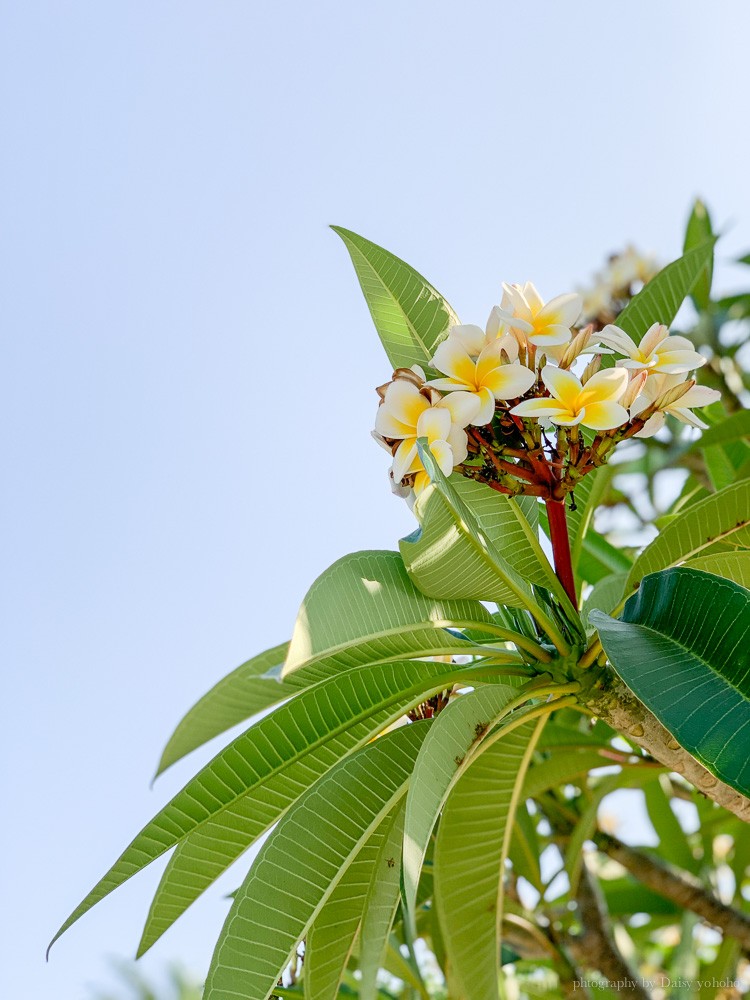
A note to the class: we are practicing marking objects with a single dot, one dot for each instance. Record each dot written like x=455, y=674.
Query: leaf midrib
x=412, y=329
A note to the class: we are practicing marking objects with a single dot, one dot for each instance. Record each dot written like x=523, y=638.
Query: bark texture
x=613, y=702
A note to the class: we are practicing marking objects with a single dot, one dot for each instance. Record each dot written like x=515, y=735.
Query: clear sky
x=188, y=366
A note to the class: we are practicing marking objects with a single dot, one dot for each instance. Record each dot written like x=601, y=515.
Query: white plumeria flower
x=407, y=414
x=474, y=365
x=530, y=319
x=657, y=352
x=593, y=404
x=655, y=386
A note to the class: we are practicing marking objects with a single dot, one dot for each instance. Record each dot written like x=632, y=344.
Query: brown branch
x=680, y=886
x=614, y=703
x=596, y=947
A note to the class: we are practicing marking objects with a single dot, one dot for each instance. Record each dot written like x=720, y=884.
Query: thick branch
x=680, y=886
x=616, y=704
x=596, y=947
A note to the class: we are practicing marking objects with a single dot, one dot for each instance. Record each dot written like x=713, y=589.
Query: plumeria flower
x=473, y=365
x=657, y=352
x=660, y=389
x=593, y=404
x=408, y=412
x=531, y=320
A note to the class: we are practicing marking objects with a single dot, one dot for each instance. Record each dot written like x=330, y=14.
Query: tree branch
x=596, y=947
x=614, y=703
x=680, y=886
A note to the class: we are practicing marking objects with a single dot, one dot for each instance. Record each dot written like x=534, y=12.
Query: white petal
x=562, y=384
x=453, y=359
x=405, y=459
x=651, y=339
x=458, y=441
x=610, y=383
x=604, y=416
x=404, y=402
x=539, y=408
x=471, y=337
x=486, y=409
x=434, y=424
x=462, y=406
x=551, y=335
x=652, y=426
x=616, y=338
x=699, y=395
x=687, y=416
x=443, y=455
x=675, y=362
x=563, y=310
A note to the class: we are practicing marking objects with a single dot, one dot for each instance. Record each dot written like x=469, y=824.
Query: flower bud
x=670, y=397
x=591, y=368
x=634, y=389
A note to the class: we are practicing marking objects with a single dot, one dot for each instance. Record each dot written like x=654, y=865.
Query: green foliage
x=428, y=767
x=682, y=647
x=411, y=317
x=660, y=300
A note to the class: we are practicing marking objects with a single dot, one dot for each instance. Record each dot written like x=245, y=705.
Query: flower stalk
x=558, y=530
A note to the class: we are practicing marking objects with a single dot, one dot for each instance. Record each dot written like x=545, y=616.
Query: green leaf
x=660, y=299
x=731, y=565
x=697, y=234
x=365, y=609
x=735, y=427
x=627, y=895
x=380, y=905
x=605, y=594
x=329, y=941
x=472, y=845
x=588, y=495
x=236, y=697
x=682, y=647
x=411, y=317
x=337, y=709
x=445, y=755
x=525, y=850
x=565, y=766
x=724, y=516
x=300, y=866
x=492, y=563
x=673, y=842
x=599, y=558
x=443, y=559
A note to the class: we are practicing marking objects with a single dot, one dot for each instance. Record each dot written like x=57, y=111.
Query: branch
x=680, y=886
x=596, y=947
x=614, y=703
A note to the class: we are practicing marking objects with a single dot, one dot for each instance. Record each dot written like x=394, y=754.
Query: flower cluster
x=504, y=404
x=616, y=284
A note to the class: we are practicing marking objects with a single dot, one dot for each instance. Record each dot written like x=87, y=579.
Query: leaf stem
x=558, y=530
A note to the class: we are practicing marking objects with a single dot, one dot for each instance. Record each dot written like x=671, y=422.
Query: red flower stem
x=558, y=530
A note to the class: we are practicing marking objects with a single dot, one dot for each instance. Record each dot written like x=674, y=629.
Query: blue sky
x=188, y=366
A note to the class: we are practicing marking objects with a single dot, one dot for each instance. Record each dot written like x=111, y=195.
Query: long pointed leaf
x=329, y=941
x=236, y=697
x=660, y=299
x=411, y=317
x=723, y=516
x=443, y=561
x=365, y=609
x=302, y=725
x=445, y=755
x=683, y=648
x=299, y=867
x=380, y=905
x=472, y=844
